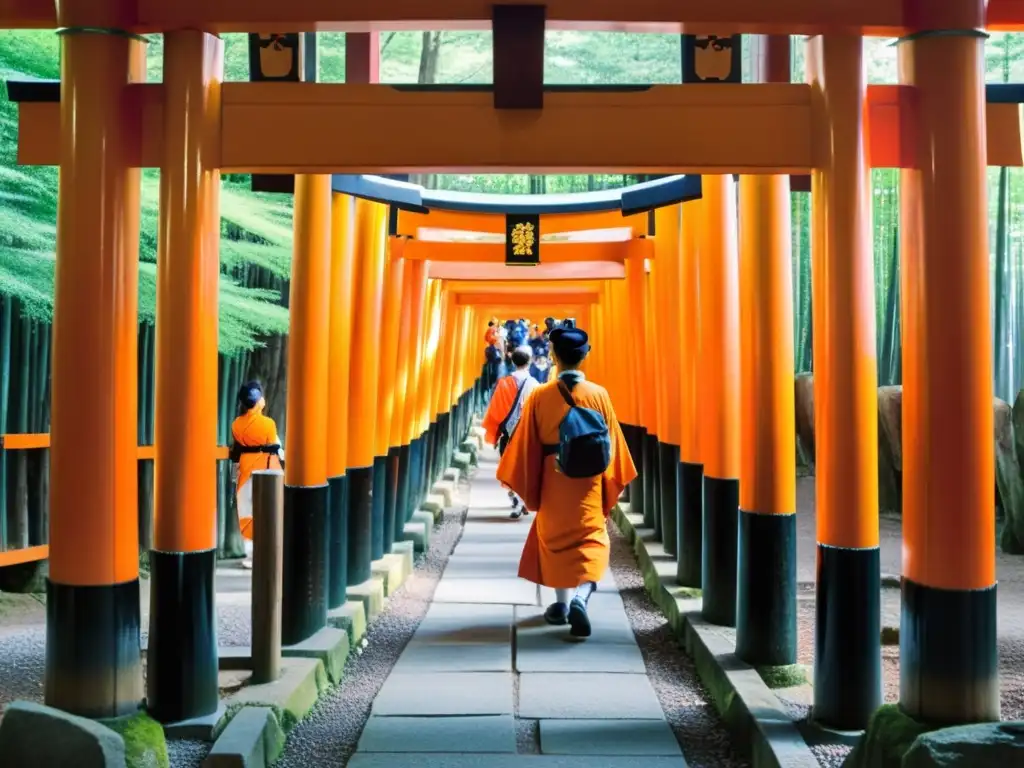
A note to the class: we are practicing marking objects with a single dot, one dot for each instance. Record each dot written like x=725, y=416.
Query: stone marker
x=985, y=745
x=34, y=734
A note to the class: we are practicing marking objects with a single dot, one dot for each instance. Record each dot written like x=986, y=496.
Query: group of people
x=563, y=456
x=502, y=339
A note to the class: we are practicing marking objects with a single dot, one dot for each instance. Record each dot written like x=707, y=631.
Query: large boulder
x=890, y=449
x=804, y=410
x=33, y=734
x=889, y=736
x=1009, y=480
x=986, y=745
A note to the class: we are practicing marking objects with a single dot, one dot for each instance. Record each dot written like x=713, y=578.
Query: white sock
x=563, y=596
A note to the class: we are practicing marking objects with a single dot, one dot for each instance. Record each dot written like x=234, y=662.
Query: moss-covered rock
x=786, y=676
x=888, y=738
x=144, y=743
x=984, y=745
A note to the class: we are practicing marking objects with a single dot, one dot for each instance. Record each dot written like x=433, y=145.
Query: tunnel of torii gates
x=683, y=283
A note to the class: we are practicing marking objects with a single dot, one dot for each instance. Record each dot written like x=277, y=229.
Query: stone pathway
x=483, y=664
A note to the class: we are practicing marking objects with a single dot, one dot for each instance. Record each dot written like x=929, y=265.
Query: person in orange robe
x=506, y=407
x=255, y=445
x=567, y=548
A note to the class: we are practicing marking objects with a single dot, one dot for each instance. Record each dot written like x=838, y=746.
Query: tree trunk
x=430, y=55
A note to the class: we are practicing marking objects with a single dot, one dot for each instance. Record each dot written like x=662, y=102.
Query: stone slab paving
x=483, y=657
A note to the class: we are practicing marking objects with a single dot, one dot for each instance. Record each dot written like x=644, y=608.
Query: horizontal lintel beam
x=577, y=270
x=532, y=298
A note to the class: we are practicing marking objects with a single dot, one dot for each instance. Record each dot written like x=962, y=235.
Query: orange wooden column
x=847, y=657
x=425, y=388
x=343, y=209
x=415, y=281
x=949, y=670
x=766, y=574
x=636, y=333
x=443, y=405
x=651, y=371
x=306, y=520
x=93, y=659
x=668, y=246
x=719, y=396
x=364, y=377
x=690, y=546
x=385, y=477
x=182, y=659
x=410, y=456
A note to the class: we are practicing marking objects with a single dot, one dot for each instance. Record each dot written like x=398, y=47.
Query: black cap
x=569, y=340
x=250, y=394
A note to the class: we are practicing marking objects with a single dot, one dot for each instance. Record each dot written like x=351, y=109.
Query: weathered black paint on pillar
x=390, y=498
x=403, y=489
x=653, y=503
x=360, y=523
x=847, y=638
x=378, y=499
x=721, y=520
x=649, y=509
x=766, y=589
x=337, y=552
x=668, y=484
x=181, y=662
x=635, y=445
x=305, y=563
x=415, y=467
x=948, y=645
x=690, y=532
x=92, y=642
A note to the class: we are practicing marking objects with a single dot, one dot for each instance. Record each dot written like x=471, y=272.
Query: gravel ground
x=330, y=733
x=688, y=706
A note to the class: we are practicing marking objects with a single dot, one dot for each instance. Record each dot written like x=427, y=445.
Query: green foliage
x=144, y=743
x=785, y=676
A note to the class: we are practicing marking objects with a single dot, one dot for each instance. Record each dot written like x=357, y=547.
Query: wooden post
x=267, y=573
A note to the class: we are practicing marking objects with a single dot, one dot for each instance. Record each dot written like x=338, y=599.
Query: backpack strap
x=563, y=389
x=519, y=394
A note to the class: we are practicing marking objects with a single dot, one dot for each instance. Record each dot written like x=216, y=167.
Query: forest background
x=256, y=235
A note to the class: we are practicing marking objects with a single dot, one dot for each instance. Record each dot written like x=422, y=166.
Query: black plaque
x=522, y=240
x=284, y=57
x=712, y=59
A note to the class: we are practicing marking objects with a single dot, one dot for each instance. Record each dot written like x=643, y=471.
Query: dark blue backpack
x=584, y=448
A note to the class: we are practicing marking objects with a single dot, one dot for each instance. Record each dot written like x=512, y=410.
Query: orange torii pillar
x=398, y=452
x=385, y=460
x=444, y=407
x=847, y=655
x=414, y=293
x=690, y=528
x=367, y=299
x=181, y=680
x=949, y=669
x=339, y=358
x=667, y=244
x=624, y=394
x=766, y=576
x=636, y=338
x=93, y=653
x=424, y=388
x=306, y=530
x=719, y=396
x=650, y=371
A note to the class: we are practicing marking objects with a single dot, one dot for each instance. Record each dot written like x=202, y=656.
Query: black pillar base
x=304, y=586
x=403, y=488
x=635, y=442
x=847, y=638
x=766, y=589
x=444, y=448
x=360, y=523
x=431, y=473
x=718, y=581
x=949, y=662
x=378, y=500
x=93, y=649
x=390, y=497
x=412, y=502
x=181, y=663
x=652, y=512
x=337, y=556
x=690, y=533
x=668, y=455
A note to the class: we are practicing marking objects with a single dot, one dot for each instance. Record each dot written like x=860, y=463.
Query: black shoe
x=579, y=622
x=556, y=614
x=515, y=514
